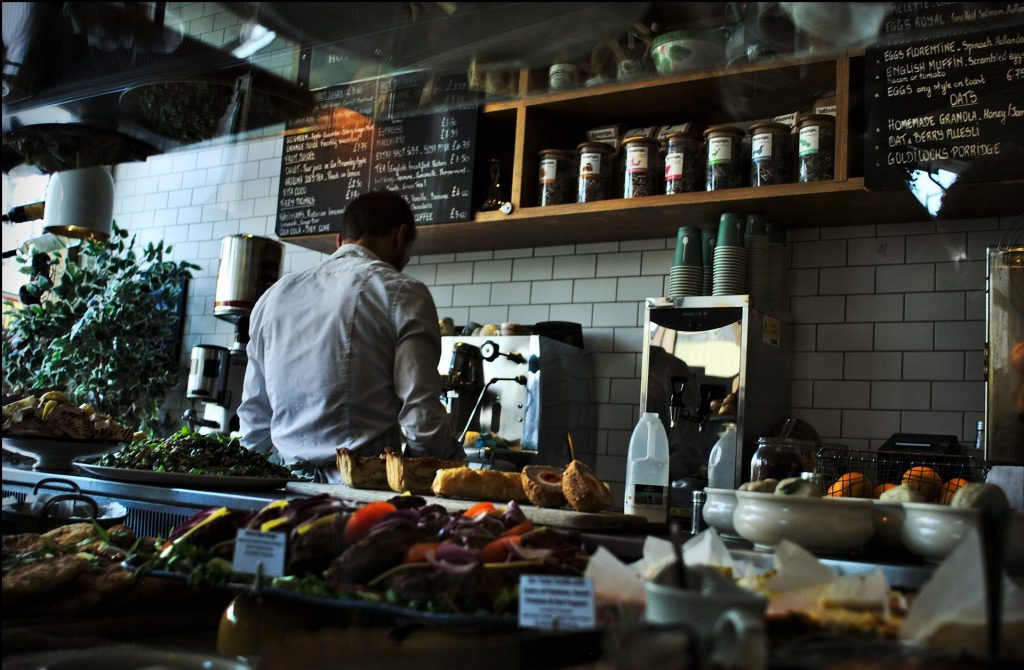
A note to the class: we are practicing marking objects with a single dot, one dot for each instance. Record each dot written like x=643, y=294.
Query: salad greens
x=193, y=453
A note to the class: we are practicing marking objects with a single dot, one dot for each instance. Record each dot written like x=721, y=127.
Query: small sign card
x=253, y=547
x=556, y=603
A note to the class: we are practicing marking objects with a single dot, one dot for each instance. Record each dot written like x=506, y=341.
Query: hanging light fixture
x=80, y=203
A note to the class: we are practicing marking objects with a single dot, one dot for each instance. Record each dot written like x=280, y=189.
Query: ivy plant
x=102, y=330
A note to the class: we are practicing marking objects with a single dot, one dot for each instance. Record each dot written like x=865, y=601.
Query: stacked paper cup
x=756, y=242
x=774, y=267
x=708, y=240
x=687, y=275
x=730, y=265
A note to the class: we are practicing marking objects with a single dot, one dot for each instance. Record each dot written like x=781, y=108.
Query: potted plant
x=103, y=329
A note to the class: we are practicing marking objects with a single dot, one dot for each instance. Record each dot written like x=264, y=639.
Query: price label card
x=556, y=603
x=253, y=547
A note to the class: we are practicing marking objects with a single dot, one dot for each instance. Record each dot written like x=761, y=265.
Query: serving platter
x=543, y=516
x=356, y=604
x=122, y=657
x=52, y=453
x=181, y=479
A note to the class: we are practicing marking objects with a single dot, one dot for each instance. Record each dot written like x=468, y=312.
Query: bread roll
x=414, y=474
x=472, y=484
x=362, y=472
x=543, y=485
x=584, y=491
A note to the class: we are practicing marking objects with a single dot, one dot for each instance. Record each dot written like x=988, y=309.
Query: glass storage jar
x=769, y=154
x=639, y=167
x=556, y=176
x=782, y=457
x=816, y=147
x=683, y=173
x=724, y=158
x=595, y=172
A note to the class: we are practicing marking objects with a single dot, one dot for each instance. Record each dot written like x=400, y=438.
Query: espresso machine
x=698, y=351
x=248, y=266
x=523, y=393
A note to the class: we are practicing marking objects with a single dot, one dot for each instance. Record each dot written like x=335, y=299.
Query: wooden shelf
x=796, y=205
x=754, y=90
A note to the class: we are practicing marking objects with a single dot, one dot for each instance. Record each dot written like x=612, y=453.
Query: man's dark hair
x=377, y=214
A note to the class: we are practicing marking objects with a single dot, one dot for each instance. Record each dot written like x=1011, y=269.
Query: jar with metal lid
x=816, y=147
x=595, y=172
x=769, y=154
x=725, y=157
x=683, y=173
x=556, y=176
x=640, y=167
x=782, y=457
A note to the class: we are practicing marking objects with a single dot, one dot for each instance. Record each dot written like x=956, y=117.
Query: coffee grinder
x=248, y=266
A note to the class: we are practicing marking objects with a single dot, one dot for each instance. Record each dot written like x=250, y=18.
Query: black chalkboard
x=945, y=96
x=370, y=136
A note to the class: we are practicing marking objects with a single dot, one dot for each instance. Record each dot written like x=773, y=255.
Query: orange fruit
x=882, y=488
x=950, y=488
x=851, y=485
x=924, y=480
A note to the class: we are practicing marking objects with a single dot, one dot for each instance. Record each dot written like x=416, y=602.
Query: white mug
x=726, y=619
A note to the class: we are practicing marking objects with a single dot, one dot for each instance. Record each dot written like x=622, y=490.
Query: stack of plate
x=756, y=245
x=730, y=258
x=687, y=275
x=774, y=260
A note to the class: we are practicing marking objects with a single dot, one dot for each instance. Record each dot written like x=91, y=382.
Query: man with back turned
x=345, y=354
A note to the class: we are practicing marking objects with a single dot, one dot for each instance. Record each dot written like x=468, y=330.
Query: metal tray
x=180, y=479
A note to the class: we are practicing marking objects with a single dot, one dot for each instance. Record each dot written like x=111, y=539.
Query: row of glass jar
x=687, y=164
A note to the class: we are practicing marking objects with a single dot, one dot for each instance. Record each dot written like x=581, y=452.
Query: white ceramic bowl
x=934, y=531
x=816, y=524
x=888, y=520
x=719, y=508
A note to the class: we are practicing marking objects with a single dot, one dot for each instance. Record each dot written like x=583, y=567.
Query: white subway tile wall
x=888, y=318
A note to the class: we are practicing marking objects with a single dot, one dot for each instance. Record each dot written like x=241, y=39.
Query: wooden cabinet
x=521, y=128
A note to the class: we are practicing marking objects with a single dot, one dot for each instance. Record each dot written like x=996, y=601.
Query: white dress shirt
x=342, y=355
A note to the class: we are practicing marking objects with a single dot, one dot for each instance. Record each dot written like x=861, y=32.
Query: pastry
x=362, y=472
x=584, y=491
x=794, y=486
x=543, y=485
x=414, y=474
x=901, y=494
x=463, y=482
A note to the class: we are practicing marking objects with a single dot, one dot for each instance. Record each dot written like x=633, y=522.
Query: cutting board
x=560, y=518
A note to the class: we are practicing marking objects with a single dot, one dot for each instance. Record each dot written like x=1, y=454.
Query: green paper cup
x=776, y=233
x=756, y=225
x=688, y=251
x=730, y=230
x=709, y=238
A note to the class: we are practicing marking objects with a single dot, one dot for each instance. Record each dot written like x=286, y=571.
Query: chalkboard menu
x=366, y=137
x=945, y=95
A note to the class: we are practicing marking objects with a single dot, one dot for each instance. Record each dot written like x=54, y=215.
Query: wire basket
x=835, y=463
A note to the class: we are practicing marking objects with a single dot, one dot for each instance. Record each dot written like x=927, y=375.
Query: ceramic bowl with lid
x=816, y=524
x=719, y=508
x=934, y=531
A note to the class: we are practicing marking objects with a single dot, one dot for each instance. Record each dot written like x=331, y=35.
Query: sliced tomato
x=417, y=553
x=519, y=529
x=478, y=508
x=498, y=550
x=364, y=518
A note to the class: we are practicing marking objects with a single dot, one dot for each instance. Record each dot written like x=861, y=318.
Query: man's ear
x=339, y=240
x=401, y=234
